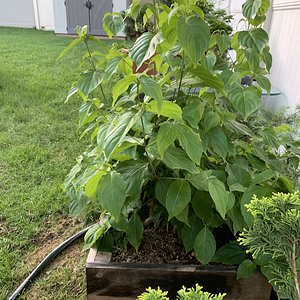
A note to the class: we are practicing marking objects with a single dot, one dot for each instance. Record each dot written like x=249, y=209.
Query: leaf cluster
x=178, y=139
x=183, y=294
x=273, y=240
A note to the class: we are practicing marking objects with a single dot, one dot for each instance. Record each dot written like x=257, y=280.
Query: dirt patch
x=64, y=277
x=159, y=246
x=55, y=232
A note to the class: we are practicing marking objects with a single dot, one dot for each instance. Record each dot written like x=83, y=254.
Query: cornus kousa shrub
x=176, y=140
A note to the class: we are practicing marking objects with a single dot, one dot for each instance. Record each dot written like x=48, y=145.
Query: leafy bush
x=135, y=24
x=274, y=241
x=183, y=294
x=133, y=28
x=153, y=294
x=182, y=143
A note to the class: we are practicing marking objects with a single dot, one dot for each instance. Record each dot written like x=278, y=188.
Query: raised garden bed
x=107, y=280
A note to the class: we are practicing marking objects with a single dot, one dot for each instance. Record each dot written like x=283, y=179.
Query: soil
x=53, y=279
x=159, y=246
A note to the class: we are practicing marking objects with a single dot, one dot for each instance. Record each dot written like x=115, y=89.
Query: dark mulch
x=160, y=246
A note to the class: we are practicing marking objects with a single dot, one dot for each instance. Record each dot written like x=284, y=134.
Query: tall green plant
x=183, y=145
x=274, y=241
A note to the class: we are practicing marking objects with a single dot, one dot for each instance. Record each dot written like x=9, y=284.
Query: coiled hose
x=41, y=266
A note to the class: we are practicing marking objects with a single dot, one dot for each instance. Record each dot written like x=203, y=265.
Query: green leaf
x=78, y=202
x=189, y=233
x=237, y=219
x=111, y=193
x=73, y=90
x=230, y=254
x=265, y=4
x=166, y=135
x=219, y=195
x=253, y=59
x=178, y=197
x=69, y=47
x=250, y=8
x=169, y=31
x=161, y=190
x=113, y=23
x=205, y=246
x=92, y=184
x=263, y=177
x=183, y=216
x=135, y=231
x=267, y=57
x=168, y=109
x=89, y=80
x=203, y=206
x=238, y=128
x=153, y=9
x=270, y=137
x=199, y=180
x=175, y=158
x=223, y=42
x=193, y=111
x=135, y=174
x=92, y=235
x=208, y=79
x=191, y=143
x=122, y=86
x=117, y=131
x=144, y=47
x=112, y=67
x=197, y=10
x=264, y=82
x=257, y=20
x=84, y=112
x=245, y=100
x=194, y=36
x=255, y=38
x=245, y=269
x=208, y=60
x=211, y=120
x=152, y=89
x=237, y=174
x=218, y=141
x=105, y=243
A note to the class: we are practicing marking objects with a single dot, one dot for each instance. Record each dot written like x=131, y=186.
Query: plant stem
x=294, y=268
x=145, y=145
x=94, y=68
x=181, y=74
x=144, y=131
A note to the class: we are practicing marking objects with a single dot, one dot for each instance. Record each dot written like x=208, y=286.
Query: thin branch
x=181, y=74
x=94, y=68
x=294, y=268
x=144, y=131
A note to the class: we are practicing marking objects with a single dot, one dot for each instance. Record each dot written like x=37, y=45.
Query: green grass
x=38, y=140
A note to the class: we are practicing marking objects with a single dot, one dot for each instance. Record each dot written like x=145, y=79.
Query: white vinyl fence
x=285, y=47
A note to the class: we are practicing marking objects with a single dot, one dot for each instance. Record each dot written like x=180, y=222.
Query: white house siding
x=17, y=13
x=285, y=48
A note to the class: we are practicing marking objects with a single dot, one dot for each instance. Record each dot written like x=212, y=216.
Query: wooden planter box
x=125, y=281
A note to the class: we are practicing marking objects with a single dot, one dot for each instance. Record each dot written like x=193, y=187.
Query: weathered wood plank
x=115, y=281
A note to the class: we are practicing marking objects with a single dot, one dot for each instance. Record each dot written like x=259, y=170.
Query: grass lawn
x=38, y=146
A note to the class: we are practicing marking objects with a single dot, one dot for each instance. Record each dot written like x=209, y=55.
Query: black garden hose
x=41, y=266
